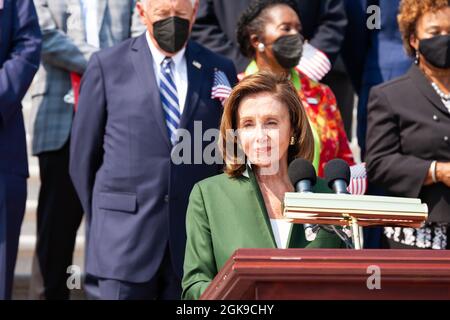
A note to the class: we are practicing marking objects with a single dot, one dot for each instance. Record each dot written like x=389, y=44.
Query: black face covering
x=288, y=50
x=436, y=51
x=171, y=33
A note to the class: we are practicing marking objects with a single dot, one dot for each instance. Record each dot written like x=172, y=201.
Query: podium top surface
x=329, y=268
x=338, y=209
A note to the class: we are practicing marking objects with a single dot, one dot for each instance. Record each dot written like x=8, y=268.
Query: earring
x=417, y=57
x=292, y=142
x=261, y=47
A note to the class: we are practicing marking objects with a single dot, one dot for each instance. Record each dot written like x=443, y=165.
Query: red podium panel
x=332, y=274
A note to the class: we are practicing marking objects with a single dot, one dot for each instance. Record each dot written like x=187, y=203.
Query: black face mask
x=288, y=50
x=172, y=33
x=436, y=51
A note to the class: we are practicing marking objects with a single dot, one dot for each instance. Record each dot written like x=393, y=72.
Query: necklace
x=445, y=97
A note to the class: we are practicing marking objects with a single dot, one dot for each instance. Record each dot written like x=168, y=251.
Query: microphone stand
x=352, y=221
x=356, y=232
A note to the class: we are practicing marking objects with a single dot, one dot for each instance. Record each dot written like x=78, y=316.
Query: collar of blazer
x=141, y=53
x=297, y=234
x=251, y=177
x=424, y=85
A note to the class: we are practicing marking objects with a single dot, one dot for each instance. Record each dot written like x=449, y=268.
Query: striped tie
x=169, y=99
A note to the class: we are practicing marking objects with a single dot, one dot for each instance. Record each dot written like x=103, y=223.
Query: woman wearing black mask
x=269, y=32
x=408, y=136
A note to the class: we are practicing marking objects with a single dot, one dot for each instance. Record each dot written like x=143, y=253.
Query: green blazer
x=225, y=214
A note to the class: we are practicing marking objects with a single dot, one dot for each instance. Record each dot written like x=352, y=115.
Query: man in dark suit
x=20, y=45
x=134, y=99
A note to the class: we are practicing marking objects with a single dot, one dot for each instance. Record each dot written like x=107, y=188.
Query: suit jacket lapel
x=423, y=84
x=262, y=212
x=195, y=70
x=143, y=65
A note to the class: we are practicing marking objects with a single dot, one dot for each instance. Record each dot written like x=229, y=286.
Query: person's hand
x=443, y=172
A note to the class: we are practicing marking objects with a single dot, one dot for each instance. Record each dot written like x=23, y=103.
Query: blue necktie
x=169, y=99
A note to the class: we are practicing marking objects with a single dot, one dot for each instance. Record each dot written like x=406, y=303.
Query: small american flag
x=221, y=87
x=314, y=63
x=358, y=180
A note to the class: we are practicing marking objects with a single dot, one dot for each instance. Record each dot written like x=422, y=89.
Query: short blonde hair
x=410, y=12
x=282, y=90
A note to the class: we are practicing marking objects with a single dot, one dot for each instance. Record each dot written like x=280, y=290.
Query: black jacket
x=408, y=128
x=323, y=21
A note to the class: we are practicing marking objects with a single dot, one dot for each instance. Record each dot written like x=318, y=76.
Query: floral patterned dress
x=325, y=118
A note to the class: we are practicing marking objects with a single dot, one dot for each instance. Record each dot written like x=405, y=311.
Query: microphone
x=303, y=176
x=337, y=174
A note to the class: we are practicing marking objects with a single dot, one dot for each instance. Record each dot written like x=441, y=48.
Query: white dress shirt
x=446, y=104
x=179, y=70
x=281, y=228
x=90, y=13
x=281, y=231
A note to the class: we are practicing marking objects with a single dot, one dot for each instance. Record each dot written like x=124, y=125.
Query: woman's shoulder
x=393, y=95
x=212, y=189
x=219, y=178
x=394, y=85
x=310, y=83
x=317, y=94
x=217, y=182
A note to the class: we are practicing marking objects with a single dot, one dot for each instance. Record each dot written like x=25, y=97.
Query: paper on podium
x=339, y=209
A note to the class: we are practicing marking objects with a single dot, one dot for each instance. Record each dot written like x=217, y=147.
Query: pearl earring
x=417, y=58
x=261, y=47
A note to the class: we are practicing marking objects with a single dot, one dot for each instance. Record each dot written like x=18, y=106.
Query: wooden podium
x=331, y=274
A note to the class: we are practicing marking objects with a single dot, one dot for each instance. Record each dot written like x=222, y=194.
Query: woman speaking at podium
x=265, y=122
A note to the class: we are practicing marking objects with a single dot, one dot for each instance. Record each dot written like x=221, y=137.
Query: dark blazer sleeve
x=17, y=73
x=400, y=174
x=209, y=33
x=86, y=147
x=330, y=32
x=199, y=247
